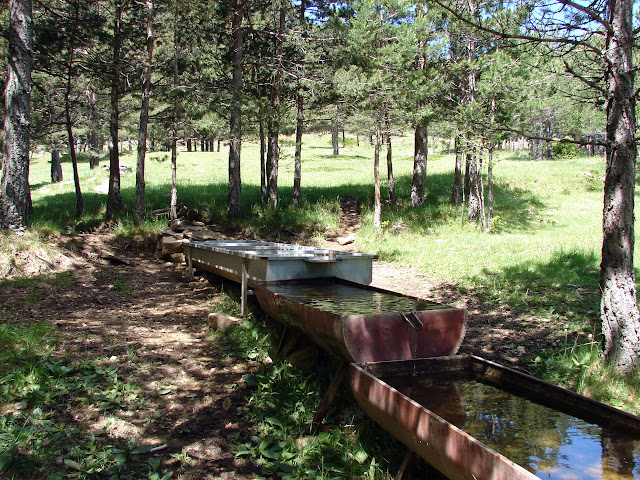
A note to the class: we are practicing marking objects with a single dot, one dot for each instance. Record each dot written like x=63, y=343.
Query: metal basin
x=270, y=261
x=474, y=419
x=361, y=323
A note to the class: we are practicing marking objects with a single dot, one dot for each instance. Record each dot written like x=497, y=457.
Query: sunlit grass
x=540, y=259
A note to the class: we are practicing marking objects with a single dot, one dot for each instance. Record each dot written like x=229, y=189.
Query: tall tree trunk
x=273, y=147
x=69, y=125
x=335, y=137
x=114, y=198
x=619, y=308
x=377, y=200
x=15, y=194
x=297, y=169
x=94, y=137
x=56, y=166
x=390, y=179
x=234, y=200
x=473, y=197
x=138, y=213
x=483, y=216
x=420, y=155
x=456, y=190
x=263, y=155
x=173, y=204
x=490, y=185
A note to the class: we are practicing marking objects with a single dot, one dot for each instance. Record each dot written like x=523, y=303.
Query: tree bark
x=56, y=167
x=234, y=200
x=419, y=181
x=69, y=125
x=15, y=193
x=273, y=146
x=114, y=198
x=173, y=204
x=263, y=155
x=334, y=137
x=390, y=179
x=473, y=197
x=94, y=137
x=377, y=200
x=619, y=309
x=490, y=185
x=456, y=190
x=297, y=169
x=138, y=213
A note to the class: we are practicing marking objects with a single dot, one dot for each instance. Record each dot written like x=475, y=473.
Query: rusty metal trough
x=445, y=432
x=360, y=323
x=404, y=374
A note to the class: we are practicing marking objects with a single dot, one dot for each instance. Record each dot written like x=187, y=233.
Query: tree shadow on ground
x=516, y=207
x=531, y=308
x=134, y=368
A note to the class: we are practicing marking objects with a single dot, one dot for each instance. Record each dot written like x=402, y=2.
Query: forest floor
x=122, y=307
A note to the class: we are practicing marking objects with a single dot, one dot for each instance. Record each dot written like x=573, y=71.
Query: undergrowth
x=41, y=400
x=281, y=404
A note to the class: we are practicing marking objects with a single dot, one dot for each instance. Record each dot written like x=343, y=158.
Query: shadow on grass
x=566, y=286
x=542, y=306
x=516, y=207
x=89, y=407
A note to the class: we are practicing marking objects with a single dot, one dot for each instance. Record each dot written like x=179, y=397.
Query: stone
x=205, y=234
x=172, y=245
x=222, y=321
x=176, y=258
x=305, y=358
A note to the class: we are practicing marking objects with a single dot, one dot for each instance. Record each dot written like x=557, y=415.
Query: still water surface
x=549, y=443
x=345, y=299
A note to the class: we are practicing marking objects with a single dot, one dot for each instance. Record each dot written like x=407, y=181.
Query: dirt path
x=126, y=309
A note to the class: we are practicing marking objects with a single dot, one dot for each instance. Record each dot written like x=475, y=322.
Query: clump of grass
x=580, y=367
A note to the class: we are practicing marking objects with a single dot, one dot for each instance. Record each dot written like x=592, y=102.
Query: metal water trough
x=373, y=327
x=456, y=453
x=250, y=262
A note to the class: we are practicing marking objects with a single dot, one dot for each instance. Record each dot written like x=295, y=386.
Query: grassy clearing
x=541, y=260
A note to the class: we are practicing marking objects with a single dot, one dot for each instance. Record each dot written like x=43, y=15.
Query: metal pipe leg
x=244, y=289
x=329, y=396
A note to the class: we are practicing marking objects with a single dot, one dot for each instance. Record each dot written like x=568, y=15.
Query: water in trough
x=547, y=442
x=343, y=299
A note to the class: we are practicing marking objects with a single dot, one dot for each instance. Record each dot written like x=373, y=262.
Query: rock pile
x=187, y=226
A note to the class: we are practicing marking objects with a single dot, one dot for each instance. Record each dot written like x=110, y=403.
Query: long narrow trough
x=470, y=418
x=360, y=323
x=474, y=419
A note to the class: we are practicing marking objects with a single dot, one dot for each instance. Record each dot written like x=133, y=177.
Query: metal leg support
x=329, y=395
x=189, y=261
x=243, y=286
x=407, y=463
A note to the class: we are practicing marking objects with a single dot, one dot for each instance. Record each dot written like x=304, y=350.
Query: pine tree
x=15, y=194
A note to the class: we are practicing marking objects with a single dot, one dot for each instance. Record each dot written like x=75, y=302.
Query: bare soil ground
x=124, y=308
x=121, y=306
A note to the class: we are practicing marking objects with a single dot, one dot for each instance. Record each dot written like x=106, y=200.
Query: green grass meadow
x=544, y=210
x=539, y=260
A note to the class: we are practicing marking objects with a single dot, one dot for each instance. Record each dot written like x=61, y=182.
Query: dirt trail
x=148, y=319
